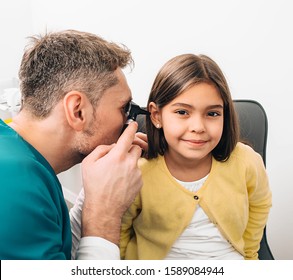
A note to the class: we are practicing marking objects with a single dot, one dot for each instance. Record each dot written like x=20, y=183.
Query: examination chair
x=253, y=130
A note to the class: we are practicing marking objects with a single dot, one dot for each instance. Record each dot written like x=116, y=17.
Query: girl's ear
x=155, y=114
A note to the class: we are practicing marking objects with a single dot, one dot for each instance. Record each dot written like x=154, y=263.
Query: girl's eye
x=181, y=112
x=213, y=114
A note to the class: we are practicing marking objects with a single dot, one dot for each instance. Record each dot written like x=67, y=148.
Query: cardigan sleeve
x=127, y=231
x=260, y=202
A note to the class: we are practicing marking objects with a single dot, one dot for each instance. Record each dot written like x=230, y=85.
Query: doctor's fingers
x=141, y=140
x=126, y=139
x=99, y=152
x=135, y=152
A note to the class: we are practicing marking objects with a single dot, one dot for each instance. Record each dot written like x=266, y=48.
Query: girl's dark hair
x=179, y=74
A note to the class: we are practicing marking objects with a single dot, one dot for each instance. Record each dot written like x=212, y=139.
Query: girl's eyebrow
x=182, y=105
x=215, y=106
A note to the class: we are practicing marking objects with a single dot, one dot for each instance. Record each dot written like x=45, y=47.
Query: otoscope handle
x=134, y=111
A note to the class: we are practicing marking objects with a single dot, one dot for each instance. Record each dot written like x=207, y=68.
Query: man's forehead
x=125, y=100
x=118, y=95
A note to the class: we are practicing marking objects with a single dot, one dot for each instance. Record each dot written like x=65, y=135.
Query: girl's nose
x=197, y=125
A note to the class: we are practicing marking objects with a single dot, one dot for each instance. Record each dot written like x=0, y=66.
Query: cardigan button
x=196, y=197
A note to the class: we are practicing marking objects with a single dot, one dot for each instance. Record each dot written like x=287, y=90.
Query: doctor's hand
x=111, y=180
x=141, y=140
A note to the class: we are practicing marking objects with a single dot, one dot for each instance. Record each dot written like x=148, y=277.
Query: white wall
x=15, y=25
x=251, y=40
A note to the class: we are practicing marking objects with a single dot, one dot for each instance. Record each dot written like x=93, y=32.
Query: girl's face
x=192, y=123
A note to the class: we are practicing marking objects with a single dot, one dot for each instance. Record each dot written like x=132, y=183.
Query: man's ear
x=155, y=114
x=75, y=104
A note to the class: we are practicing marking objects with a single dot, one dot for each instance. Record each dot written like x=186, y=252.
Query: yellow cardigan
x=236, y=198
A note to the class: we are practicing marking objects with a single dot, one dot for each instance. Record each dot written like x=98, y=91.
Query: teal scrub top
x=34, y=219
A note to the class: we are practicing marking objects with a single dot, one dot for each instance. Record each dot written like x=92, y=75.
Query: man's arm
x=111, y=180
x=88, y=247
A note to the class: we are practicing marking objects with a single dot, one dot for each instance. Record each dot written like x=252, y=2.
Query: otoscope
x=133, y=111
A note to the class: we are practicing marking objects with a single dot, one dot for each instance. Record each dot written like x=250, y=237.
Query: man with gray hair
x=74, y=103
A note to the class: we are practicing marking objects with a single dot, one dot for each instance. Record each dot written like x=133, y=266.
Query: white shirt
x=201, y=240
x=90, y=247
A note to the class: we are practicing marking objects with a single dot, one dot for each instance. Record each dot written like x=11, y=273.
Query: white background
x=141, y=270
x=251, y=40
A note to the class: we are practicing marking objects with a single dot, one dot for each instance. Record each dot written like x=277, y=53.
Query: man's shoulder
x=23, y=173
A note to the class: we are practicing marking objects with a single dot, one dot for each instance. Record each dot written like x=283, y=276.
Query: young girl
x=205, y=194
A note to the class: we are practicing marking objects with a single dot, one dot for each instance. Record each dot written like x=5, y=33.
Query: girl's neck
x=187, y=170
